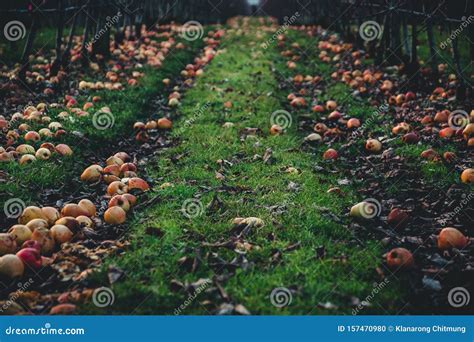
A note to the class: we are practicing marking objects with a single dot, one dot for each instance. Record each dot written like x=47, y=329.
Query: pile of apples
x=39, y=232
x=119, y=173
x=26, y=152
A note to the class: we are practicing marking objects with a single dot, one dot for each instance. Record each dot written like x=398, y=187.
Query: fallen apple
x=88, y=206
x=30, y=257
x=85, y=221
x=331, y=105
x=399, y=258
x=50, y=214
x=114, y=161
x=330, y=154
x=63, y=150
x=130, y=198
x=467, y=176
x=43, y=236
x=32, y=244
x=117, y=188
x=353, y=123
x=25, y=149
x=7, y=244
x=30, y=213
x=119, y=201
x=36, y=223
x=411, y=138
x=137, y=183
x=71, y=222
x=115, y=215
x=92, y=173
x=43, y=154
x=373, y=145
x=11, y=266
x=397, y=218
x=20, y=233
x=276, y=130
x=73, y=210
x=429, y=154
x=27, y=159
x=449, y=156
x=451, y=238
x=61, y=234
x=164, y=123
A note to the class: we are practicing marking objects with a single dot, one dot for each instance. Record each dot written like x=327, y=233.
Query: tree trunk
x=25, y=62
x=85, y=36
x=59, y=37
x=67, y=49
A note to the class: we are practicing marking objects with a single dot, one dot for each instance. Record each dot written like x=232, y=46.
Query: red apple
x=32, y=244
x=30, y=257
x=399, y=258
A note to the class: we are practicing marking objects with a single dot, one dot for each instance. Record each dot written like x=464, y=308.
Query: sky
x=253, y=2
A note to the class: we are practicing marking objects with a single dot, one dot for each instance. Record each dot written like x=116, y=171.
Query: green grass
x=243, y=74
x=127, y=106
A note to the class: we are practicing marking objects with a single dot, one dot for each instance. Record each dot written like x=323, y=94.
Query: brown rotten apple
x=7, y=244
x=45, y=239
x=397, y=218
